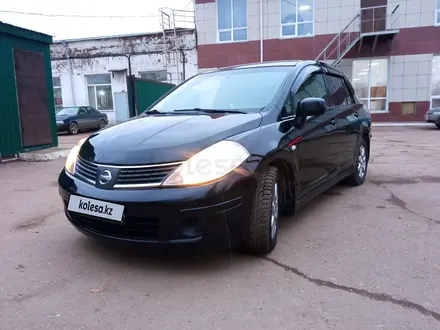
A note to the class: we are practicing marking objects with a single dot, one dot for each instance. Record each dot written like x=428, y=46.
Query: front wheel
x=263, y=223
x=360, y=168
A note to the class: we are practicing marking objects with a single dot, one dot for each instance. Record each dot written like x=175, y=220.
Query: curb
x=33, y=157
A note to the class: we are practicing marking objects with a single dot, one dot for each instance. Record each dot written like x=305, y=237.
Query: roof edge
x=25, y=33
x=143, y=34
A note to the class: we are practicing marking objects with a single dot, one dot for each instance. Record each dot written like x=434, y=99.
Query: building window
x=435, y=83
x=370, y=83
x=437, y=13
x=155, y=75
x=100, y=91
x=57, y=93
x=296, y=18
x=232, y=20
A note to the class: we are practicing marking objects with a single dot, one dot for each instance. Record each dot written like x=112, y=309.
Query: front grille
x=151, y=175
x=86, y=170
x=131, y=228
x=128, y=176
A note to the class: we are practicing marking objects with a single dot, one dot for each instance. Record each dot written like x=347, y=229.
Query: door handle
x=333, y=122
x=356, y=114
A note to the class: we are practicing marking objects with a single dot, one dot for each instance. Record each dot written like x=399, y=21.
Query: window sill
x=297, y=37
x=232, y=41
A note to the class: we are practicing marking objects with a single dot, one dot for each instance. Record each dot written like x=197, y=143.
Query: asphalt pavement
x=355, y=258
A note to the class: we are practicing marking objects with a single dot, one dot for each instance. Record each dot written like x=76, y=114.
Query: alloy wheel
x=362, y=162
x=274, y=215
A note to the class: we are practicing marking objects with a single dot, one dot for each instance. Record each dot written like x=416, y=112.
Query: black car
x=219, y=158
x=75, y=119
x=433, y=116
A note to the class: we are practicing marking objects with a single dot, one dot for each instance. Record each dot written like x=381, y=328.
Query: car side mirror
x=311, y=106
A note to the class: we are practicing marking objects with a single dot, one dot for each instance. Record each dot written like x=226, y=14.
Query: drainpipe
x=261, y=32
x=132, y=87
x=72, y=89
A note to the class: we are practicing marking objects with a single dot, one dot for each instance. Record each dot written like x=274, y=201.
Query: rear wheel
x=360, y=168
x=101, y=124
x=263, y=223
x=73, y=128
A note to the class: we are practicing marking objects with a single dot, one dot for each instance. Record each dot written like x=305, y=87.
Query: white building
x=94, y=71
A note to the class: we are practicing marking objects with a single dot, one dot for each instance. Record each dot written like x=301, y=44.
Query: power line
x=77, y=16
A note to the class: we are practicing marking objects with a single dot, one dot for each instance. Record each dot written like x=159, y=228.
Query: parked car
x=218, y=159
x=433, y=116
x=75, y=119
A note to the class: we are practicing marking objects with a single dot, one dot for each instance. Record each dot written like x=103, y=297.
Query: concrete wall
x=89, y=57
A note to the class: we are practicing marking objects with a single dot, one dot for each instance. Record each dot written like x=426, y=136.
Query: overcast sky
x=78, y=27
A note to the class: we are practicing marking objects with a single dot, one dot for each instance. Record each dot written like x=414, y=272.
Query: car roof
x=287, y=63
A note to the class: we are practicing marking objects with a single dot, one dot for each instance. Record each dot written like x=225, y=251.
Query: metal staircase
x=172, y=21
x=370, y=24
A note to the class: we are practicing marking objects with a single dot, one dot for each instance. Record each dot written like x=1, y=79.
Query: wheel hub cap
x=362, y=162
x=274, y=216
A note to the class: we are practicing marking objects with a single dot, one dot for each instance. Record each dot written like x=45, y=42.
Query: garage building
x=27, y=117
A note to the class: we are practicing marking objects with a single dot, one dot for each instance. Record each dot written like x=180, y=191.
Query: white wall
x=73, y=74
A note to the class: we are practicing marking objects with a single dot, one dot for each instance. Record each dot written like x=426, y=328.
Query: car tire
x=361, y=165
x=438, y=125
x=263, y=223
x=101, y=124
x=73, y=128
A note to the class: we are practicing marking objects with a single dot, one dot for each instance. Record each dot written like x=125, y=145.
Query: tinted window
x=244, y=89
x=288, y=109
x=338, y=90
x=314, y=86
x=92, y=110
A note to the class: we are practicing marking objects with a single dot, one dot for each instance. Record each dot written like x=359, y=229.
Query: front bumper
x=61, y=127
x=212, y=215
x=432, y=118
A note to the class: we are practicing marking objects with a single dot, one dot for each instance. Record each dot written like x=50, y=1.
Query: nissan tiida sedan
x=220, y=158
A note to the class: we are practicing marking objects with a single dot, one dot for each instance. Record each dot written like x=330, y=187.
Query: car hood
x=162, y=138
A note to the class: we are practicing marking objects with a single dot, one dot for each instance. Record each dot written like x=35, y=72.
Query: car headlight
x=73, y=156
x=208, y=165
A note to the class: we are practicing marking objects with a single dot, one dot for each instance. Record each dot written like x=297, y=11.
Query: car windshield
x=247, y=90
x=67, y=112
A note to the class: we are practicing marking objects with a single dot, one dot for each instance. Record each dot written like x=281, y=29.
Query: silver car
x=433, y=116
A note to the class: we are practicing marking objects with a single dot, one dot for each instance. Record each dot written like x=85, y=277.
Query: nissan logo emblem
x=105, y=177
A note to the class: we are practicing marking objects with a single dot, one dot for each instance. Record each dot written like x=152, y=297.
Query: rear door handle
x=333, y=122
x=356, y=114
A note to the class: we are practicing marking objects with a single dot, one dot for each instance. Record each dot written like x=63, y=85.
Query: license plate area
x=96, y=208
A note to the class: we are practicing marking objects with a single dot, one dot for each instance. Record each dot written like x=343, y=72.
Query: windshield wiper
x=209, y=110
x=153, y=111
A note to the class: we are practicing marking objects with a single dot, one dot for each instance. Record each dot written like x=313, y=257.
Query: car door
x=343, y=112
x=81, y=118
x=95, y=117
x=309, y=143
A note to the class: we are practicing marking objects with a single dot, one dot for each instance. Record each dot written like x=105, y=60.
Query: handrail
x=337, y=36
x=395, y=9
